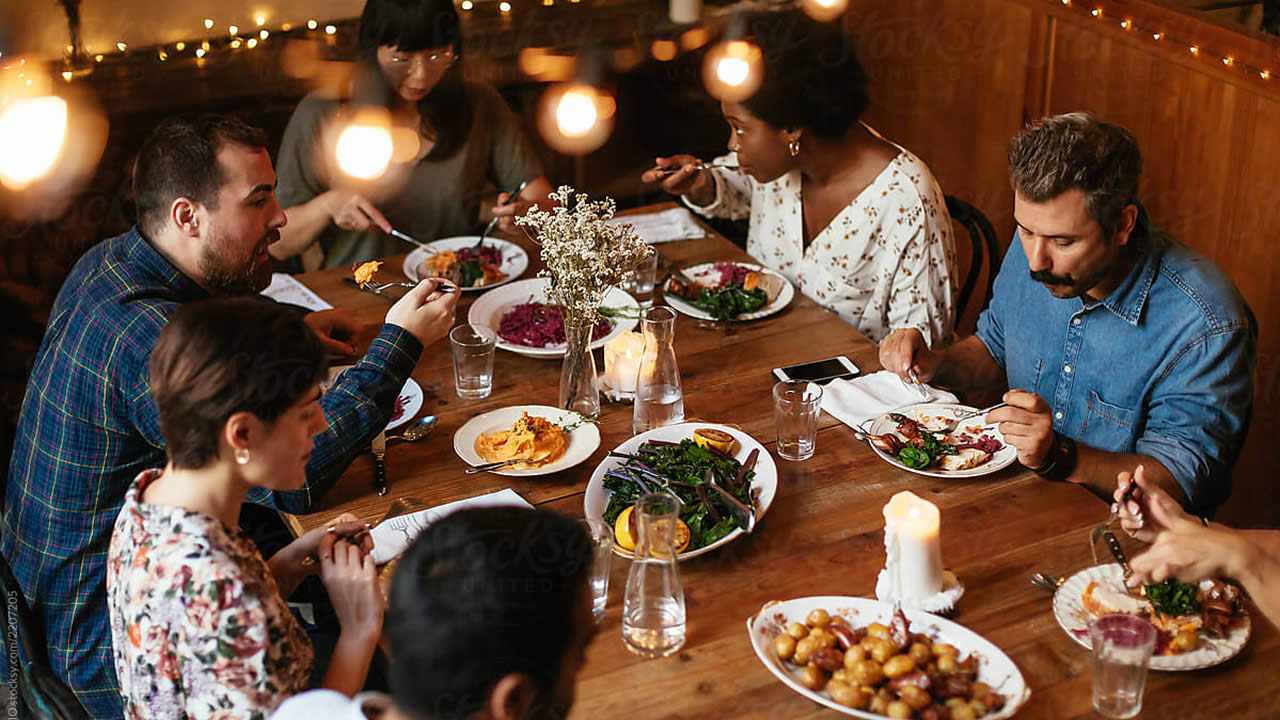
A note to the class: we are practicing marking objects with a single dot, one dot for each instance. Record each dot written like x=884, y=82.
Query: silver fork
x=951, y=426
x=377, y=288
x=489, y=467
x=701, y=166
x=1096, y=534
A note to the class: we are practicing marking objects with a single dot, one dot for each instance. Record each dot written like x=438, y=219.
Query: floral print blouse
x=887, y=260
x=197, y=622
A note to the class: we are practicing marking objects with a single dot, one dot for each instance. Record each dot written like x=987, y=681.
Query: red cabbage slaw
x=399, y=408
x=535, y=324
x=731, y=273
x=486, y=254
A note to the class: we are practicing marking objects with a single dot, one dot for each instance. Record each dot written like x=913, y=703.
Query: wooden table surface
x=824, y=534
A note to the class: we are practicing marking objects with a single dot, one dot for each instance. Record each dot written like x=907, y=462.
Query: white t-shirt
x=885, y=262
x=333, y=705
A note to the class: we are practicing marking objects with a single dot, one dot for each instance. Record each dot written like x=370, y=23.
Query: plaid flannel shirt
x=88, y=426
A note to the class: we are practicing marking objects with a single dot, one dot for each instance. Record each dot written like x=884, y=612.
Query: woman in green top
x=467, y=138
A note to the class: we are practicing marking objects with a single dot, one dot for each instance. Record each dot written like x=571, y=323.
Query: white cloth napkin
x=855, y=401
x=665, y=226
x=389, y=542
x=286, y=289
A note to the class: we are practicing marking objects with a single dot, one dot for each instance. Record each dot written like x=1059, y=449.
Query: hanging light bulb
x=733, y=70
x=576, y=118
x=32, y=134
x=364, y=148
x=208, y=23
x=824, y=10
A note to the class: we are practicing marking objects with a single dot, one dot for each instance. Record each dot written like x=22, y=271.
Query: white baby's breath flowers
x=585, y=254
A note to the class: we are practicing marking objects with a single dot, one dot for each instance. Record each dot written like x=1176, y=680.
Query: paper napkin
x=286, y=289
x=855, y=401
x=665, y=226
x=389, y=542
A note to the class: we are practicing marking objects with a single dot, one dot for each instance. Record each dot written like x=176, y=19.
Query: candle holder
x=913, y=576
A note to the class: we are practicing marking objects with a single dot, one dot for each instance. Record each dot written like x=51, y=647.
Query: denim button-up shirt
x=1163, y=366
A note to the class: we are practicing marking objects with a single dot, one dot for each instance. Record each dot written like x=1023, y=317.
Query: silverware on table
x=745, y=514
x=951, y=426
x=1047, y=581
x=417, y=430
x=379, y=449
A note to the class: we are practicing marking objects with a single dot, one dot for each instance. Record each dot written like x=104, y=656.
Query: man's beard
x=1075, y=288
x=245, y=278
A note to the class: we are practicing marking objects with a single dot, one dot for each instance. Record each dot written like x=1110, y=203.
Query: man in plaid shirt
x=206, y=214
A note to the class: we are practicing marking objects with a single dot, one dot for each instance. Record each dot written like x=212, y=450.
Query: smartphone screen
x=820, y=370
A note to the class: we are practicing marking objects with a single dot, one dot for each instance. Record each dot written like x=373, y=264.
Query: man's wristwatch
x=1061, y=461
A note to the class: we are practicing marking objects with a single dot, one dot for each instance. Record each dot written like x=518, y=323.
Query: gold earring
x=793, y=147
x=242, y=456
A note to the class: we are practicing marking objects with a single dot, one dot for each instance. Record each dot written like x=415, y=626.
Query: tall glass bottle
x=659, y=396
x=653, y=618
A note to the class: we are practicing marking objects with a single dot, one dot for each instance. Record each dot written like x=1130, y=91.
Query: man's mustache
x=1048, y=278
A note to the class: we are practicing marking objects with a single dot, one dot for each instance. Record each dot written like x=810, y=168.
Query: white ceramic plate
x=994, y=667
x=411, y=398
x=937, y=415
x=583, y=440
x=489, y=308
x=765, y=483
x=1074, y=619
x=707, y=273
x=514, y=259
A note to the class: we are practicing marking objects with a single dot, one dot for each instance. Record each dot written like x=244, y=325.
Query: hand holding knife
x=379, y=449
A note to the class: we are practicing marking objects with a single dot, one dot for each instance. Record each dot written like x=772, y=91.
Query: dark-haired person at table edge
x=489, y=619
x=1119, y=345
x=466, y=137
x=206, y=215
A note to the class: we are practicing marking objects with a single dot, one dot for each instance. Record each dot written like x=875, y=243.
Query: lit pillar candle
x=914, y=555
x=622, y=361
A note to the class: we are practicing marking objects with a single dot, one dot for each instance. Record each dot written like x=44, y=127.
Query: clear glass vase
x=579, y=389
x=653, y=611
x=659, y=393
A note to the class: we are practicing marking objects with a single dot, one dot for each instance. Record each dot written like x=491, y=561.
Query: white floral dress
x=887, y=260
x=197, y=622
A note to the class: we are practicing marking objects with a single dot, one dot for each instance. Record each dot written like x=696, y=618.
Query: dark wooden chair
x=41, y=695
x=985, y=245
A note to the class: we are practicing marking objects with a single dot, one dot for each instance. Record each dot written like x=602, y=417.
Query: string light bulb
x=232, y=29
x=330, y=29
x=364, y=147
x=200, y=52
x=253, y=43
x=208, y=23
x=733, y=70
x=576, y=118
x=286, y=27
x=204, y=45
x=1195, y=50
x=264, y=34
x=163, y=55
x=1127, y=24
x=1157, y=36
x=467, y=4
x=235, y=44
x=260, y=20
x=664, y=50
x=312, y=24
x=98, y=58
x=67, y=75
x=121, y=46
x=824, y=10
x=504, y=7
x=1265, y=74
x=1097, y=12
x=180, y=46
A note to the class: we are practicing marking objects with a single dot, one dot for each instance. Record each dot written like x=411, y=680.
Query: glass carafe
x=659, y=397
x=653, y=620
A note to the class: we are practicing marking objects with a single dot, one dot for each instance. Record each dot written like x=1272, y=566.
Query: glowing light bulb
x=575, y=118
x=732, y=70
x=824, y=10
x=364, y=148
x=66, y=75
x=121, y=46
x=1265, y=74
x=1097, y=12
x=1226, y=61
x=204, y=45
x=199, y=52
x=32, y=133
x=260, y=20
x=1127, y=24
x=1195, y=50
x=264, y=34
x=330, y=29
x=312, y=24
x=163, y=55
x=180, y=46
x=467, y=4
x=232, y=29
x=664, y=50
x=286, y=27
x=1157, y=36
x=98, y=58
x=504, y=7
x=576, y=113
x=208, y=23
x=253, y=43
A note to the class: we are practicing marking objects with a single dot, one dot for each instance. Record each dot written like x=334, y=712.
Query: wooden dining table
x=823, y=535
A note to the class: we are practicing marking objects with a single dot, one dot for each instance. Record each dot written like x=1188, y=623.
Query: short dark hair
x=812, y=78
x=481, y=594
x=1076, y=150
x=413, y=25
x=221, y=356
x=180, y=159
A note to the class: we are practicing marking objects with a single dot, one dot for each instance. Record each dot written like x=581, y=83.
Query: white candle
x=622, y=361
x=686, y=11
x=913, y=553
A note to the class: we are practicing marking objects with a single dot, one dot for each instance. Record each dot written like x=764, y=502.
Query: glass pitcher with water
x=659, y=397
x=653, y=620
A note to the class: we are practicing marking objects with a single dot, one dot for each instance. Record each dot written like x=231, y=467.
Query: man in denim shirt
x=1121, y=347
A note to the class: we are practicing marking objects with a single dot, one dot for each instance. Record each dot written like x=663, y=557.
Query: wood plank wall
x=954, y=80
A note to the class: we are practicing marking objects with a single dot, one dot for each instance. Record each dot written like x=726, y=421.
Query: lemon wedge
x=715, y=439
x=623, y=532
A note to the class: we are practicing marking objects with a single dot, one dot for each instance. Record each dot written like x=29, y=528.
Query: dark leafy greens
x=1174, y=597
x=729, y=301
x=679, y=470
x=926, y=453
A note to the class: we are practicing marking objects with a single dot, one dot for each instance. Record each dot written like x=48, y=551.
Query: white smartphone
x=819, y=370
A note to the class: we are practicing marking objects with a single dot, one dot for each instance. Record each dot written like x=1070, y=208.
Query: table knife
x=1117, y=552
x=379, y=448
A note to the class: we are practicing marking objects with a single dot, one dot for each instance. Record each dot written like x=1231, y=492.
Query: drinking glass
x=796, y=404
x=641, y=283
x=601, y=563
x=653, y=612
x=1122, y=645
x=473, y=360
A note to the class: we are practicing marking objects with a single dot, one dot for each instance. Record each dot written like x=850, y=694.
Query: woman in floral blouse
x=857, y=222
x=198, y=618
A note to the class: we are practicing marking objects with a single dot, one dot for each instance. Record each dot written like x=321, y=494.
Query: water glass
x=601, y=563
x=653, y=610
x=641, y=283
x=1122, y=645
x=796, y=404
x=473, y=360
